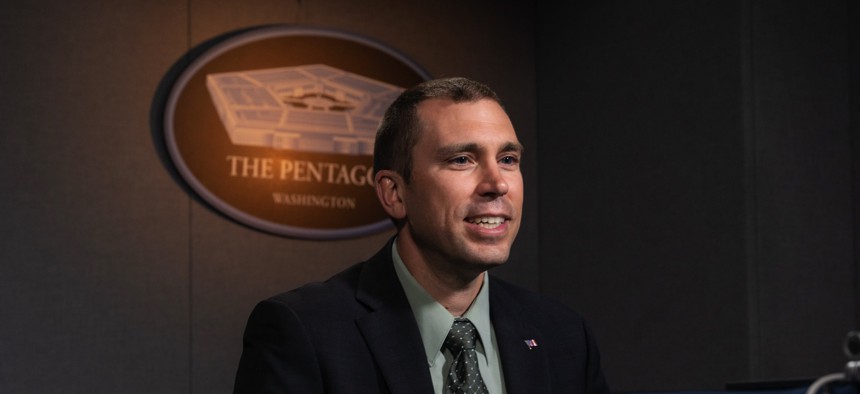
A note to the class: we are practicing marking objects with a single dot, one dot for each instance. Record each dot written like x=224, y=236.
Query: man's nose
x=493, y=182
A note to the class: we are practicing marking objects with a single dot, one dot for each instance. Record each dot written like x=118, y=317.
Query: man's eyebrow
x=449, y=150
x=513, y=147
x=471, y=147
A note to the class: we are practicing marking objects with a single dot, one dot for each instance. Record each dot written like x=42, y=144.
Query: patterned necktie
x=464, y=376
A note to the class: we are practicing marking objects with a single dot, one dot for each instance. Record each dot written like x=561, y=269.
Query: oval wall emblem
x=274, y=127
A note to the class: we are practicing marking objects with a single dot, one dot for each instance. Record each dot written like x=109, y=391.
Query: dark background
x=691, y=170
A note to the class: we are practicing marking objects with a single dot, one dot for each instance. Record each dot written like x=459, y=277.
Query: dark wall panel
x=642, y=185
x=696, y=188
x=804, y=204
x=93, y=286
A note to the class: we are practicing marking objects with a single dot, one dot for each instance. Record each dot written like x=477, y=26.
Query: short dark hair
x=398, y=132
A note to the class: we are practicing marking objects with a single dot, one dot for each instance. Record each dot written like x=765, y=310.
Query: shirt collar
x=434, y=321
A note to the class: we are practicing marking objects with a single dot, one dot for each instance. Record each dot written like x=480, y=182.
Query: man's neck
x=454, y=290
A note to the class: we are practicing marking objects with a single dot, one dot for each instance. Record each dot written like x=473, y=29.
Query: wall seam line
x=751, y=220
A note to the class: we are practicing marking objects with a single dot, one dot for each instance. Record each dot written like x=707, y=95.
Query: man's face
x=464, y=201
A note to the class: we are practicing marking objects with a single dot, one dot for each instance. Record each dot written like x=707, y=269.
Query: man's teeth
x=488, y=222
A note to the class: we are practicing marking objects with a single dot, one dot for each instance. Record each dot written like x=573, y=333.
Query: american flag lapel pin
x=531, y=343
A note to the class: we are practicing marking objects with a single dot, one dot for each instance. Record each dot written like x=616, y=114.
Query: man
x=422, y=315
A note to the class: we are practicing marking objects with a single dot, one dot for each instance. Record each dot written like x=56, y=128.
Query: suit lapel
x=390, y=329
x=525, y=369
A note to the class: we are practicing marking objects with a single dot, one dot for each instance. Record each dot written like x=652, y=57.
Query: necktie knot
x=464, y=376
x=463, y=335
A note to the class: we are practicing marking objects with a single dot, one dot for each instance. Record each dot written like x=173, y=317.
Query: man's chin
x=485, y=261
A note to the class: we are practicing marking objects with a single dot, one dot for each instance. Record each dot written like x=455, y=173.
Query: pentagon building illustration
x=312, y=108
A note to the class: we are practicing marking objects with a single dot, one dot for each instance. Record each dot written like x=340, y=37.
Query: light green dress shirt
x=434, y=322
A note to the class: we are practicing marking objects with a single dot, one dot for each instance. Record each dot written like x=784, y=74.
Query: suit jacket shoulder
x=544, y=345
x=353, y=333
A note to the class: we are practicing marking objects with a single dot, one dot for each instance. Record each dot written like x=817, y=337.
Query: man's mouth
x=488, y=222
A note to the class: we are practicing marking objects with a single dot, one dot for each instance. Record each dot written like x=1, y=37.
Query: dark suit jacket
x=356, y=333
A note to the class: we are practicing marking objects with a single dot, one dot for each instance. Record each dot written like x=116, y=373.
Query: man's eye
x=509, y=160
x=460, y=160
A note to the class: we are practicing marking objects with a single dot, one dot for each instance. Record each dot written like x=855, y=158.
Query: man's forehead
x=434, y=106
x=442, y=115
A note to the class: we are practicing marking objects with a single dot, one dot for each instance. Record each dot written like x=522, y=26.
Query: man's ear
x=389, y=186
